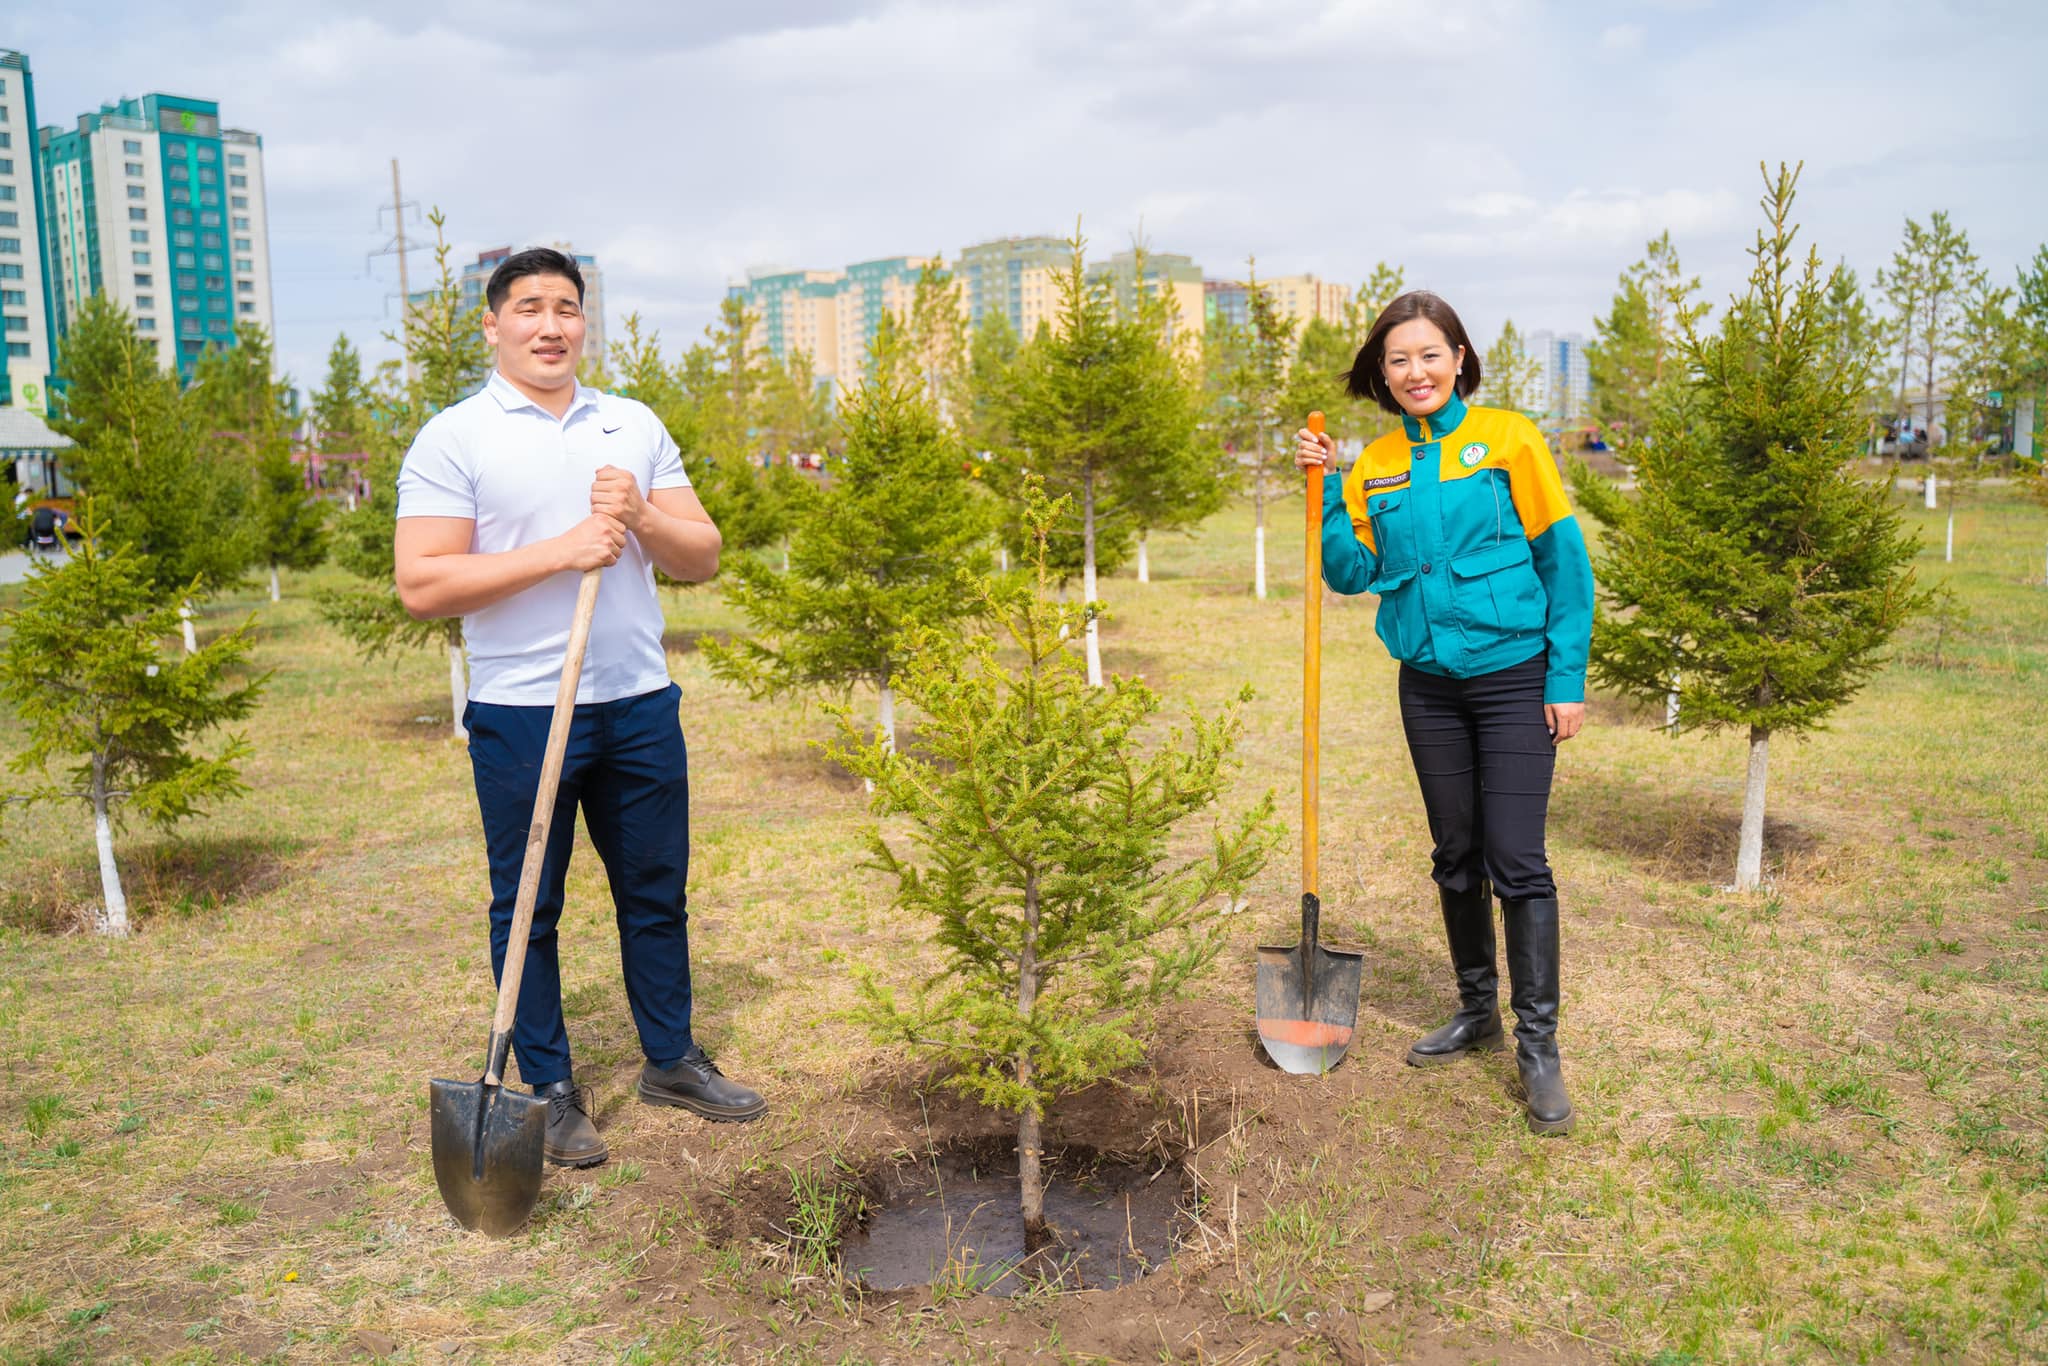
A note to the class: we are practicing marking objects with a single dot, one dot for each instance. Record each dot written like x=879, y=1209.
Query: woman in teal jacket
x=1458, y=522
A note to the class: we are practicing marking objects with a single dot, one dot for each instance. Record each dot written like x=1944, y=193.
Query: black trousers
x=1484, y=758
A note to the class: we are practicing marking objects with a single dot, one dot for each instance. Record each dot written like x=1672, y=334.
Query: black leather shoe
x=572, y=1139
x=1468, y=924
x=1533, y=978
x=695, y=1084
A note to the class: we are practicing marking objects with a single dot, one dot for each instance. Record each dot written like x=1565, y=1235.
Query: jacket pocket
x=1398, y=618
x=1497, y=592
x=1391, y=534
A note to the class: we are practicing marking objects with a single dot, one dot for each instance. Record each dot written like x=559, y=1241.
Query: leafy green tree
x=749, y=499
x=448, y=359
x=890, y=547
x=1754, y=565
x=141, y=457
x=1512, y=378
x=1929, y=283
x=1256, y=386
x=1102, y=406
x=639, y=373
x=1633, y=355
x=1379, y=289
x=247, y=418
x=991, y=384
x=1044, y=843
x=341, y=405
x=1176, y=481
x=84, y=669
x=938, y=337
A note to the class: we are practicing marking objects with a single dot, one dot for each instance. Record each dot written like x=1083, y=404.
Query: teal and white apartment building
x=151, y=202
x=27, y=322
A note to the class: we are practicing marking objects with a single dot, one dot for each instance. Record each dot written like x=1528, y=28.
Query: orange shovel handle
x=1312, y=666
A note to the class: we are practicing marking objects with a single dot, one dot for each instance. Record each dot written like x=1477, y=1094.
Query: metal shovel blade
x=1308, y=1000
x=487, y=1153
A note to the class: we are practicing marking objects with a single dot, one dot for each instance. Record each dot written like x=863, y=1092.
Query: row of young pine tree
x=1751, y=575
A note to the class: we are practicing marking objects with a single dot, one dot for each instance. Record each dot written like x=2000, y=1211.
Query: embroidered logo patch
x=1472, y=454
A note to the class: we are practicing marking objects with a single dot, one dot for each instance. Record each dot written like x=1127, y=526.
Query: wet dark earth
x=954, y=1219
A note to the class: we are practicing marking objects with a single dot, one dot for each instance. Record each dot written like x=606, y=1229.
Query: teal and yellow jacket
x=1459, y=523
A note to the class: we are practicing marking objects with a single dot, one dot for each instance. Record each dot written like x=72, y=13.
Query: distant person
x=1459, y=523
x=44, y=527
x=504, y=499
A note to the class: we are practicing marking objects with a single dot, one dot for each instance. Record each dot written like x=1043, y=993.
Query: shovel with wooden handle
x=1307, y=994
x=487, y=1140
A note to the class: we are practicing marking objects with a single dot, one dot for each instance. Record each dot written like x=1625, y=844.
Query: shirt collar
x=511, y=400
x=1438, y=424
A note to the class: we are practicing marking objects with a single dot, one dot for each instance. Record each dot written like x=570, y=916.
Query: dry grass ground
x=1812, y=1119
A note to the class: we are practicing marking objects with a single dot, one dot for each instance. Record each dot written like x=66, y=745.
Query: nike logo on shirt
x=609, y=430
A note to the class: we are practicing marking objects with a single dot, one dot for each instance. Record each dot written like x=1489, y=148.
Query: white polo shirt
x=523, y=475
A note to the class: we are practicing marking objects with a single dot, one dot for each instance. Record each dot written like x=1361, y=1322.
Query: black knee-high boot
x=1468, y=923
x=1532, y=975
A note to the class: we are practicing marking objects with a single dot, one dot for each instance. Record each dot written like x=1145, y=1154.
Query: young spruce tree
x=245, y=418
x=1753, y=564
x=891, y=546
x=1041, y=834
x=444, y=342
x=141, y=458
x=1101, y=406
x=84, y=669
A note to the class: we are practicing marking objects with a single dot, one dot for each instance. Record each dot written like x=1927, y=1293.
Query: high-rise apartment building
x=1178, y=276
x=867, y=291
x=1566, y=378
x=1014, y=276
x=798, y=311
x=26, y=323
x=1297, y=298
x=152, y=203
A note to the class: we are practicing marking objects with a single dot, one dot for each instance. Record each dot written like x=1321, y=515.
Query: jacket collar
x=1438, y=424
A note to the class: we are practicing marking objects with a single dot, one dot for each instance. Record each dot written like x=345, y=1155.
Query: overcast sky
x=1512, y=154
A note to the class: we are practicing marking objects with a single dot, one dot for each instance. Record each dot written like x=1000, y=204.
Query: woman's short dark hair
x=1366, y=379
x=532, y=261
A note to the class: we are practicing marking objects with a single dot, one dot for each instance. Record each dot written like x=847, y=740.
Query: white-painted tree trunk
x=785, y=554
x=114, y=918
x=1259, y=562
x=1671, y=705
x=1948, y=549
x=885, y=724
x=1930, y=490
x=1093, y=645
x=1144, y=565
x=458, y=687
x=1749, y=851
x=185, y=624
x=274, y=595
x=351, y=500
x=1003, y=557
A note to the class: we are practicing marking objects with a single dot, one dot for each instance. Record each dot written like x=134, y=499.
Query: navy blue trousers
x=1484, y=759
x=627, y=769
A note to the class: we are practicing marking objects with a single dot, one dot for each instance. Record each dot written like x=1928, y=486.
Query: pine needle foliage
x=890, y=546
x=444, y=340
x=85, y=671
x=140, y=456
x=1045, y=821
x=1753, y=566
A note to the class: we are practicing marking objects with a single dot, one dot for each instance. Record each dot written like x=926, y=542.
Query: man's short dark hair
x=532, y=261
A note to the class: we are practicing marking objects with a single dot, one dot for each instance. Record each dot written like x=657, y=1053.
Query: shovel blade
x=1307, y=1031
x=487, y=1153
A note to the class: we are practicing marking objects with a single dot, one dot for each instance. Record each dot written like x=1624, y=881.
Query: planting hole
x=953, y=1221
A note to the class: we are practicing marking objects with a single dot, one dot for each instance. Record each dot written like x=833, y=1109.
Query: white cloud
x=1621, y=38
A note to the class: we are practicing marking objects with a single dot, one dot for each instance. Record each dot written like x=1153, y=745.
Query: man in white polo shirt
x=505, y=498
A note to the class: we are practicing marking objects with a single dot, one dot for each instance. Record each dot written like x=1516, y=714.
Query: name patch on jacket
x=1386, y=481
